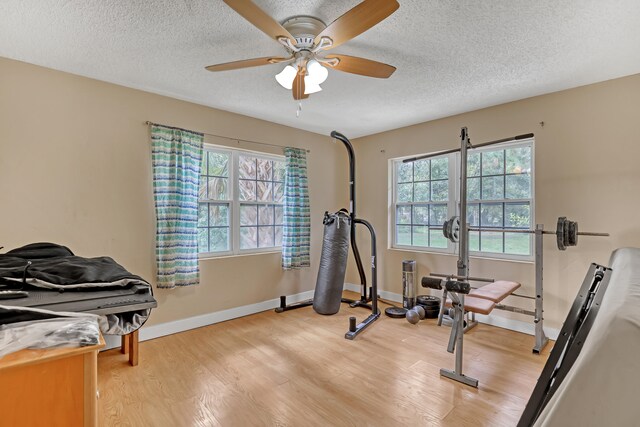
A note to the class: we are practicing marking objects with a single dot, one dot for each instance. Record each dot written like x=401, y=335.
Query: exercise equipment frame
x=570, y=341
x=457, y=297
x=367, y=301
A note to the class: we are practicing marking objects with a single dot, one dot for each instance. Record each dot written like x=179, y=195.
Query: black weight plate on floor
x=428, y=301
x=396, y=312
x=431, y=314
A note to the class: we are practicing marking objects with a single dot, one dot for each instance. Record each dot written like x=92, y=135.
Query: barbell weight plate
x=445, y=229
x=455, y=230
x=560, y=233
x=573, y=233
x=567, y=242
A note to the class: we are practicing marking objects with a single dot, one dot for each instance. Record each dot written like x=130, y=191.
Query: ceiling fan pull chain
x=299, y=110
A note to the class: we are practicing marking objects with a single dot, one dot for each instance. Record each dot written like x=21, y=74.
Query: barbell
x=566, y=231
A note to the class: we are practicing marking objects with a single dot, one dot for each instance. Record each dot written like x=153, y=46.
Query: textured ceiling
x=452, y=56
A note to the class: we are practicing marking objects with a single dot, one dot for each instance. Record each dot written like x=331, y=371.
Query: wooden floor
x=296, y=369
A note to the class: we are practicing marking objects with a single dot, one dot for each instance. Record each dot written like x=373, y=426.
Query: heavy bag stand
x=371, y=301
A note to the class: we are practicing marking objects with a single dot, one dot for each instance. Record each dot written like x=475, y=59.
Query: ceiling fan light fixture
x=310, y=86
x=286, y=76
x=317, y=73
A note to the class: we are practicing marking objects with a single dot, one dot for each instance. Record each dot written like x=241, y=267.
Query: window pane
x=278, y=171
x=218, y=215
x=266, y=237
x=202, y=189
x=421, y=170
x=439, y=191
x=421, y=192
x=403, y=215
x=438, y=215
x=517, y=215
x=265, y=191
x=278, y=192
x=474, y=241
x=491, y=242
x=518, y=186
x=440, y=168
x=278, y=239
x=437, y=239
x=473, y=188
x=217, y=188
x=278, y=213
x=265, y=169
x=247, y=167
x=248, y=237
x=265, y=215
x=518, y=160
x=405, y=172
x=493, y=187
x=203, y=164
x=248, y=215
x=473, y=215
x=403, y=235
x=202, y=215
x=219, y=238
x=421, y=215
x=405, y=192
x=491, y=215
x=493, y=163
x=218, y=164
x=203, y=240
x=247, y=190
x=473, y=164
x=420, y=235
x=516, y=243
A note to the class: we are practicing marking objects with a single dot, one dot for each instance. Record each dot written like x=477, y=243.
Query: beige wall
x=75, y=169
x=587, y=169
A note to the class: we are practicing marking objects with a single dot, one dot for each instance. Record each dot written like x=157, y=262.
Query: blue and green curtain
x=296, y=233
x=176, y=158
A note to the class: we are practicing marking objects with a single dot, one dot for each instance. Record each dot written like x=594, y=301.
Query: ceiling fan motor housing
x=304, y=29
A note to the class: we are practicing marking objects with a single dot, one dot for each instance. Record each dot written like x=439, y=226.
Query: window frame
x=234, y=201
x=453, y=203
x=394, y=204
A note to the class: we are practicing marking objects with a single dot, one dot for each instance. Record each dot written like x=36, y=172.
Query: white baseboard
x=168, y=328
x=494, y=320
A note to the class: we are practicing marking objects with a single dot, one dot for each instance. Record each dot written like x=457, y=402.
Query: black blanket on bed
x=56, y=264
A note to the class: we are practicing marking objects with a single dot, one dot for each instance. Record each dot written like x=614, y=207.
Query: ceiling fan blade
x=364, y=67
x=298, y=87
x=357, y=20
x=252, y=13
x=246, y=63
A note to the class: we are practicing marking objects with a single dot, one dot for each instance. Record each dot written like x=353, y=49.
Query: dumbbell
x=415, y=315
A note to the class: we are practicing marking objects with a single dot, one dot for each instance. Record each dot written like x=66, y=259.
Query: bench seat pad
x=496, y=291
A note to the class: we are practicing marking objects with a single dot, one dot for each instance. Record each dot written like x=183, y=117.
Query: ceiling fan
x=306, y=38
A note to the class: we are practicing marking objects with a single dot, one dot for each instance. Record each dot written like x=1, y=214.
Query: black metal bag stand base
x=364, y=302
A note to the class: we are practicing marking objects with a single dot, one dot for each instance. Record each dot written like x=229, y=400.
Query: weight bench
x=482, y=300
x=465, y=300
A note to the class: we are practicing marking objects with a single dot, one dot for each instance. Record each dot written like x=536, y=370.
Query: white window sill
x=471, y=256
x=211, y=256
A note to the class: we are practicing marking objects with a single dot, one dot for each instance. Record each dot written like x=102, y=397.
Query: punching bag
x=333, y=262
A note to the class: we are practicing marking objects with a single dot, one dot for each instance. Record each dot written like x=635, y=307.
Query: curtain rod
x=238, y=140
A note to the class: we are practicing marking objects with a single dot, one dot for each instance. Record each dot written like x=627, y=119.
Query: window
x=499, y=194
x=240, y=202
x=422, y=198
